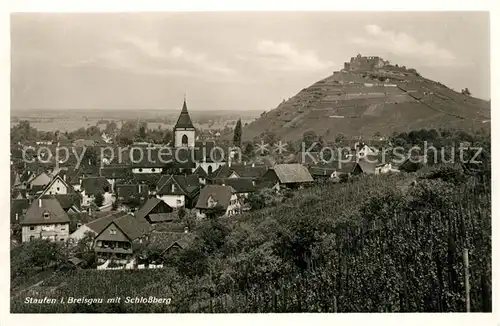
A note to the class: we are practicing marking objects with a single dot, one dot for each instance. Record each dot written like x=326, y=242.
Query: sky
x=228, y=60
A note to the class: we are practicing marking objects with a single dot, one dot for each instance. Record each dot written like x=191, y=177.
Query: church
x=184, y=131
x=185, y=136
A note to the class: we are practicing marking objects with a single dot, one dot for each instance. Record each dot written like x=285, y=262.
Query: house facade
x=45, y=219
x=224, y=198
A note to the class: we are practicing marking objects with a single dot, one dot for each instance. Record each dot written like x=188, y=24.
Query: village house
x=69, y=202
x=131, y=196
x=167, y=244
x=155, y=211
x=178, y=190
x=91, y=186
x=115, y=241
x=222, y=199
x=57, y=186
x=243, y=187
x=114, y=174
x=286, y=175
x=94, y=226
x=46, y=219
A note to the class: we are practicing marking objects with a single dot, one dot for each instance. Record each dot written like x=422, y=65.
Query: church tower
x=184, y=132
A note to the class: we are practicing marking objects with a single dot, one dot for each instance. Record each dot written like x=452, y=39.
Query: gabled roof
x=187, y=184
x=132, y=226
x=165, y=240
x=149, y=206
x=57, y=177
x=129, y=191
x=221, y=194
x=239, y=185
x=292, y=173
x=249, y=171
x=366, y=167
x=95, y=185
x=35, y=213
x=222, y=172
x=18, y=206
x=184, y=120
x=100, y=224
x=67, y=201
x=200, y=172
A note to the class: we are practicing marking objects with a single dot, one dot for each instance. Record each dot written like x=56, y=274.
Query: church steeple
x=184, y=120
x=184, y=131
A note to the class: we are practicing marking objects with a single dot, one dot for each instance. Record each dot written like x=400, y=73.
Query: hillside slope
x=370, y=95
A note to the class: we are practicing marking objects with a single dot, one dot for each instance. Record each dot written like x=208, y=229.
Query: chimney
x=229, y=163
x=245, y=163
x=186, y=229
x=17, y=216
x=64, y=177
x=39, y=202
x=253, y=164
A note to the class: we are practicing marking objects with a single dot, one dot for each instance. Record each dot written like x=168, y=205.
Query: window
x=63, y=228
x=184, y=140
x=62, y=239
x=99, y=243
x=173, y=187
x=210, y=169
x=46, y=215
x=179, y=202
x=140, y=170
x=153, y=170
x=58, y=189
x=32, y=228
x=32, y=238
x=112, y=231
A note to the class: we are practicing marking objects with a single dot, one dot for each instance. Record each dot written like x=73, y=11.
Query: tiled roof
x=240, y=185
x=184, y=120
x=132, y=226
x=67, y=200
x=292, y=173
x=115, y=172
x=36, y=212
x=149, y=206
x=164, y=240
x=130, y=191
x=100, y=224
x=221, y=194
x=187, y=184
x=95, y=185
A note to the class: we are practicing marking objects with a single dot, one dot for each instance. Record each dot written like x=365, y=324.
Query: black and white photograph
x=237, y=162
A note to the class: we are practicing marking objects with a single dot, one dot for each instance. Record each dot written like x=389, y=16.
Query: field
x=52, y=120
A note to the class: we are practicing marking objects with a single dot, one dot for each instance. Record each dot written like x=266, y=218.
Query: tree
x=91, y=157
x=309, y=137
x=142, y=133
x=99, y=199
x=340, y=138
x=215, y=212
x=85, y=250
x=181, y=212
x=249, y=149
x=237, y=134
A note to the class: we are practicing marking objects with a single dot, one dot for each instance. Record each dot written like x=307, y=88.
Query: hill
x=371, y=95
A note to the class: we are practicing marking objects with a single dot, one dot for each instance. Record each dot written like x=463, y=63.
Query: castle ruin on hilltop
x=365, y=63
